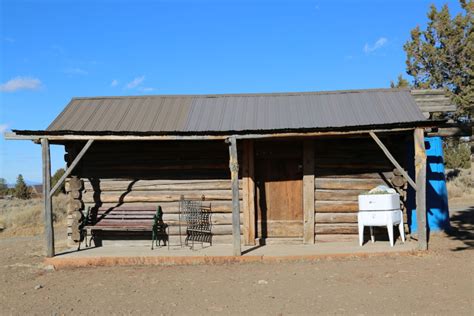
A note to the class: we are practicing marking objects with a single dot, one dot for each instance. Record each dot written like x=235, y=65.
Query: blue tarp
x=436, y=193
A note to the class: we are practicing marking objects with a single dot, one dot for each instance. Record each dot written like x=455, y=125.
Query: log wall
x=345, y=168
x=147, y=174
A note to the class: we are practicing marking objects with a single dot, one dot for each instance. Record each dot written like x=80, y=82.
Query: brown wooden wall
x=147, y=174
x=345, y=168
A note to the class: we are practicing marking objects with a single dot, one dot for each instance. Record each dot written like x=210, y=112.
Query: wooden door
x=279, y=174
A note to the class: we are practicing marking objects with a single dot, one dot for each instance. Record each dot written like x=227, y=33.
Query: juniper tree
x=3, y=187
x=401, y=83
x=55, y=178
x=21, y=189
x=442, y=55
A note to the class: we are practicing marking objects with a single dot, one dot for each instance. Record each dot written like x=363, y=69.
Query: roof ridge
x=269, y=94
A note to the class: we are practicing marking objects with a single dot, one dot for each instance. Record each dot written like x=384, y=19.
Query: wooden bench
x=126, y=219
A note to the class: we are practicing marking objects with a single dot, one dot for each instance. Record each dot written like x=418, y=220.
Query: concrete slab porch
x=222, y=254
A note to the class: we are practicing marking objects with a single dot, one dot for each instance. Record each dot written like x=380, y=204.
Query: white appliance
x=379, y=202
x=380, y=210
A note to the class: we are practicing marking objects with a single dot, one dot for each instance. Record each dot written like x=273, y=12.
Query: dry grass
x=25, y=217
x=459, y=185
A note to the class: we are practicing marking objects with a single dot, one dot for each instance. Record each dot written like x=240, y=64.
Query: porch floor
x=218, y=254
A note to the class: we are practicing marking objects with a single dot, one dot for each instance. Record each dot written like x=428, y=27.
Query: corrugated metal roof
x=237, y=112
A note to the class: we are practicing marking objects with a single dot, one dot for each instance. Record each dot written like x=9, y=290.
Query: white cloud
x=3, y=128
x=75, y=71
x=135, y=82
x=146, y=89
x=381, y=42
x=114, y=83
x=20, y=83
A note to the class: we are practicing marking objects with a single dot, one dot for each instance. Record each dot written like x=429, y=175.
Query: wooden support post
x=420, y=172
x=234, y=172
x=248, y=190
x=251, y=190
x=393, y=160
x=308, y=192
x=48, y=211
x=71, y=167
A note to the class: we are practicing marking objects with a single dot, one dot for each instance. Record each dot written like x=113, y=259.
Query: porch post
x=234, y=172
x=48, y=211
x=420, y=172
x=308, y=192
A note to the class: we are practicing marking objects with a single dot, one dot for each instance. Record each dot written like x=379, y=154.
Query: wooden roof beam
x=58, y=138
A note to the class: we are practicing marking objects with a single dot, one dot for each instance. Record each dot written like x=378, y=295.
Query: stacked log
x=400, y=184
x=166, y=193
x=74, y=186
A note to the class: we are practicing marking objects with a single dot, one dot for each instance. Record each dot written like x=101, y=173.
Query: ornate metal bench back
x=197, y=220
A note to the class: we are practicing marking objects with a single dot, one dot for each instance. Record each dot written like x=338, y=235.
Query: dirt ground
x=440, y=282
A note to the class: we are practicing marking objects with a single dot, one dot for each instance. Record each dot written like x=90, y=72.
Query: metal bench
x=126, y=219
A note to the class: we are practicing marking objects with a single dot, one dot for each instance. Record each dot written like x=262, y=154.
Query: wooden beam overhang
x=85, y=137
x=393, y=160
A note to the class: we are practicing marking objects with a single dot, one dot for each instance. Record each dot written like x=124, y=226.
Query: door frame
x=249, y=192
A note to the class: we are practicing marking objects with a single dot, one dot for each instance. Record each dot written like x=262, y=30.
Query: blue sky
x=52, y=51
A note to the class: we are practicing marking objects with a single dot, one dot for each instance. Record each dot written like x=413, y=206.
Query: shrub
x=457, y=154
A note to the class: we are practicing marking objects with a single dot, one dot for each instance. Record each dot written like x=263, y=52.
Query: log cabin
x=277, y=167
